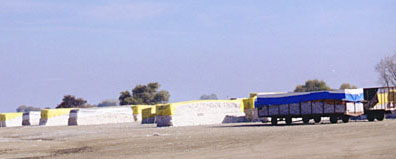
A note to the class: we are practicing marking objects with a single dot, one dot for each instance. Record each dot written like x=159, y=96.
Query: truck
x=379, y=101
x=335, y=104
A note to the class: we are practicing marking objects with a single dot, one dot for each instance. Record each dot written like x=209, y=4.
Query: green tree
x=347, y=86
x=24, y=108
x=161, y=97
x=144, y=94
x=207, y=97
x=125, y=98
x=109, y=102
x=70, y=101
x=312, y=85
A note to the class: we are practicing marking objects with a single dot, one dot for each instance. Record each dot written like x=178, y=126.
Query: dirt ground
x=244, y=140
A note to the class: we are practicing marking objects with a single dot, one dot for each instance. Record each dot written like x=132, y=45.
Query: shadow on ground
x=268, y=124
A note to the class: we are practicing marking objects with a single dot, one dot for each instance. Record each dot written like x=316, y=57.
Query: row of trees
x=150, y=93
x=141, y=94
x=386, y=69
x=209, y=96
x=319, y=85
x=24, y=108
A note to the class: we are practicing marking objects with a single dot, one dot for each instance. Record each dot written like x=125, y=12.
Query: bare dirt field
x=353, y=140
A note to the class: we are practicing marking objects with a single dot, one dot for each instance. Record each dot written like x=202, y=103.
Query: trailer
x=378, y=102
x=250, y=110
x=337, y=104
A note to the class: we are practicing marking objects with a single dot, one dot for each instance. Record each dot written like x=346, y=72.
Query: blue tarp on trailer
x=352, y=95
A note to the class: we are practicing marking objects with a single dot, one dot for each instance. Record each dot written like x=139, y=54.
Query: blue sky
x=96, y=49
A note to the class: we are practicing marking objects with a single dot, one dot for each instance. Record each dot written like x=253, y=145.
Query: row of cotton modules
x=200, y=112
x=334, y=104
x=72, y=116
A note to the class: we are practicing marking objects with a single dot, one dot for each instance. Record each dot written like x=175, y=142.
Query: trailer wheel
x=370, y=117
x=305, y=120
x=274, y=121
x=380, y=116
x=345, y=118
x=333, y=119
x=317, y=119
x=288, y=120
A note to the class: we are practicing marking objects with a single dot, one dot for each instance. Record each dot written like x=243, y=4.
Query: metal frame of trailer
x=335, y=115
x=379, y=101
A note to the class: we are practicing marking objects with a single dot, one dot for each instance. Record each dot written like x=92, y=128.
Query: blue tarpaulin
x=352, y=95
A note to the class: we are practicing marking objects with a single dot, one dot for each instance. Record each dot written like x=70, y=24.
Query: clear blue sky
x=96, y=49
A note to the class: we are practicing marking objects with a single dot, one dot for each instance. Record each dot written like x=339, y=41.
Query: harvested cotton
x=202, y=112
x=102, y=115
x=55, y=117
x=10, y=119
x=31, y=118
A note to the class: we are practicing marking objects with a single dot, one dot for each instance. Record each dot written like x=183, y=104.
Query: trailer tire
x=370, y=117
x=274, y=121
x=380, y=116
x=317, y=119
x=345, y=118
x=333, y=119
x=288, y=120
x=305, y=120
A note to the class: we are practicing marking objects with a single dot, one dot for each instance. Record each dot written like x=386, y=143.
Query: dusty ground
x=252, y=140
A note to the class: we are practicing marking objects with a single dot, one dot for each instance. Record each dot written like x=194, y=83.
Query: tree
x=312, y=85
x=161, y=97
x=123, y=98
x=70, y=101
x=386, y=68
x=109, y=102
x=347, y=86
x=206, y=97
x=24, y=108
x=144, y=94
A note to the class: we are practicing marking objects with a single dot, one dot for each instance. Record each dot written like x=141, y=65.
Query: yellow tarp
x=50, y=113
x=137, y=109
x=164, y=109
x=385, y=99
x=253, y=94
x=148, y=112
x=382, y=98
x=248, y=103
x=9, y=116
